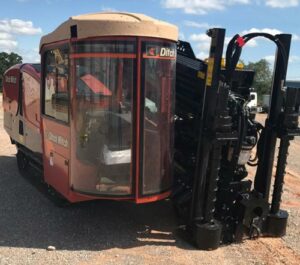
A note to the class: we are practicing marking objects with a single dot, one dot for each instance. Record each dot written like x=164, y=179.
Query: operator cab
x=108, y=83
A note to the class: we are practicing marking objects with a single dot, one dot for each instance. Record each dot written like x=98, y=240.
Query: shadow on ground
x=29, y=219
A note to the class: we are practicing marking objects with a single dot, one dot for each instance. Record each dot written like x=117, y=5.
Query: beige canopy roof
x=112, y=24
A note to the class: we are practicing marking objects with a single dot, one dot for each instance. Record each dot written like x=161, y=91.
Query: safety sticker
x=210, y=68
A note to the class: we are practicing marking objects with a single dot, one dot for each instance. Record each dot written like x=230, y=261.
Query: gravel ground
x=106, y=232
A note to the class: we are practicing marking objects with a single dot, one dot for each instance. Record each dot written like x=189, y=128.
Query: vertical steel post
x=277, y=218
x=280, y=172
x=265, y=165
x=206, y=230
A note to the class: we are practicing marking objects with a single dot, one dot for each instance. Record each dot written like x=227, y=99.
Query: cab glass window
x=56, y=75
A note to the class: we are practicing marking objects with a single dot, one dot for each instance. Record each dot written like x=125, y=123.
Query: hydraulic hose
x=234, y=50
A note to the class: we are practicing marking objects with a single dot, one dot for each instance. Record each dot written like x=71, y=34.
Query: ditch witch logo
x=11, y=79
x=57, y=139
x=160, y=51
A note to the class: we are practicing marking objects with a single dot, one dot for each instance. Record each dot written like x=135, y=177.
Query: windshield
x=103, y=116
x=158, y=86
x=108, y=98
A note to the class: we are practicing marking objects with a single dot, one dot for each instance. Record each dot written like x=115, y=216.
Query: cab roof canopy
x=112, y=24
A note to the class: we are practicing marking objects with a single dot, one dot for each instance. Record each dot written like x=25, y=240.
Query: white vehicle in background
x=253, y=103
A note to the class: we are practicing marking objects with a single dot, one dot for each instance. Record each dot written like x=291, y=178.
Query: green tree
x=7, y=60
x=263, y=77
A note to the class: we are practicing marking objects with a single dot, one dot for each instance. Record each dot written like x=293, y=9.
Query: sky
x=23, y=22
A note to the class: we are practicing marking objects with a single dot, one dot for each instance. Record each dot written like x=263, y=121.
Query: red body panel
x=31, y=101
x=11, y=82
x=56, y=155
x=21, y=102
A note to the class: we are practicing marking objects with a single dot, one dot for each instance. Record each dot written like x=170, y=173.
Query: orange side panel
x=11, y=81
x=57, y=173
x=56, y=155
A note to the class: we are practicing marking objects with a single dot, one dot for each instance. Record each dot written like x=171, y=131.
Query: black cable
x=233, y=53
x=234, y=50
x=275, y=39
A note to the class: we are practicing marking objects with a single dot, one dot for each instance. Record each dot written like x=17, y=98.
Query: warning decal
x=210, y=68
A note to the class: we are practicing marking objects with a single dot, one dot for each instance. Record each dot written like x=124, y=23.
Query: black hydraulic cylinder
x=266, y=157
x=207, y=115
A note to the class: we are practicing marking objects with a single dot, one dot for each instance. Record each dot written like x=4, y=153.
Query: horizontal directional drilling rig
x=100, y=116
x=216, y=135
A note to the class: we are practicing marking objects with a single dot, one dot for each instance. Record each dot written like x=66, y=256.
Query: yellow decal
x=239, y=65
x=210, y=68
x=201, y=75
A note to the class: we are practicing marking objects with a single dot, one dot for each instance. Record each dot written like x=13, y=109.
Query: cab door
x=55, y=117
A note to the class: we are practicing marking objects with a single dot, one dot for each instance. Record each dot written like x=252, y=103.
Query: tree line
x=263, y=77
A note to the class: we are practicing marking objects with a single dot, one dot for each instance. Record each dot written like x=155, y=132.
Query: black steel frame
x=215, y=131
